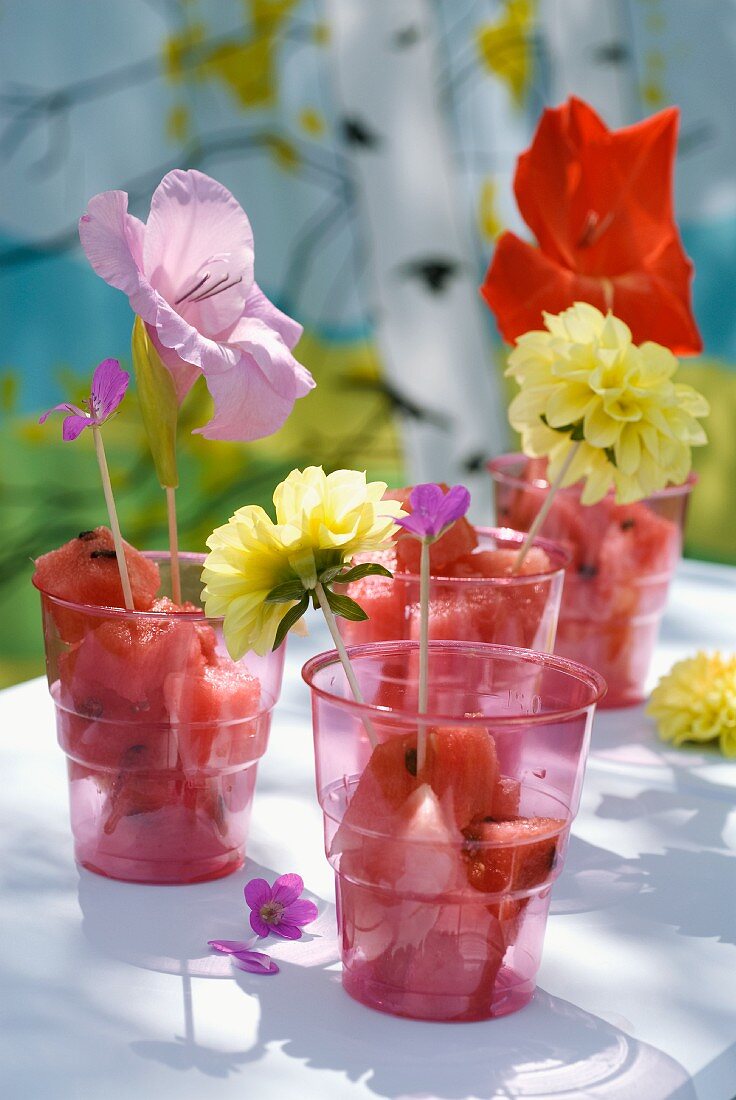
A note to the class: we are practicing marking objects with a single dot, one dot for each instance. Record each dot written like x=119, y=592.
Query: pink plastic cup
x=443, y=877
x=623, y=558
x=162, y=733
x=518, y=610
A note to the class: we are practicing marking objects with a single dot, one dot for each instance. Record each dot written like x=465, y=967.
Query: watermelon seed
x=103, y=554
x=627, y=524
x=410, y=760
x=586, y=570
x=91, y=708
x=85, y=536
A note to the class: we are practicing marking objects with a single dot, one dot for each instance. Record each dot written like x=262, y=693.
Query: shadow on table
x=552, y=1048
x=549, y=1049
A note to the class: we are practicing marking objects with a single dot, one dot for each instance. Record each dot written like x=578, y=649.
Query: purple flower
x=109, y=384
x=434, y=510
x=254, y=962
x=278, y=908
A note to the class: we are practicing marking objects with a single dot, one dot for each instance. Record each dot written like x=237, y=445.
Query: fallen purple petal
x=254, y=962
x=229, y=947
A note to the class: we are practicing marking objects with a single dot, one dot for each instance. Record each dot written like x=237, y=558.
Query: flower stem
x=345, y=660
x=542, y=513
x=173, y=545
x=423, y=651
x=112, y=512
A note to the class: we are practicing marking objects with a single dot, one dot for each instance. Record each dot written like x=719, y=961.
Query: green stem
x=112, y=512
x=423, y=651
x=345, y=660
x=173, y=545
x=542, y=513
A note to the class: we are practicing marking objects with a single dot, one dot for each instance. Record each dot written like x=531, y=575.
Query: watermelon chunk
x=516, y=855
x=84, y=570
x=214, y=714
x=506, y=798
x=462, y=769
x=382, y=599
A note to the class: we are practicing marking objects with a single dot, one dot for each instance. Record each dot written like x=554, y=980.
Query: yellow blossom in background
x=583, y=381
x=322, y=520
x=696, y=701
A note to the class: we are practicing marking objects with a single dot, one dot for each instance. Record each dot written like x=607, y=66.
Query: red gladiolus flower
x=599, y=203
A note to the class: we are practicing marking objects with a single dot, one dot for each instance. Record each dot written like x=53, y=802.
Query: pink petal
x=74, y=426
x=197, y=227
x=184, y=374
x=229, y=946
x=257, y=305
x=285, y=374
x=286, y=889
x=255, y=962
x=109, y=384
x=182, y=337
x=65, y=407
x=301, y=912
x=257, y=892
x=286, y=930
x=112, y=241
x=259, y=925
x=247, y=406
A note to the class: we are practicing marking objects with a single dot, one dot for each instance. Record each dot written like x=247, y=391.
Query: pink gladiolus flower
x=109, y=384
x=188, y=273
x=278, y=908
x=433, y=510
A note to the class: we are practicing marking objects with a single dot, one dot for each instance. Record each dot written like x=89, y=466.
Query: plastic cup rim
x=550, y=546
x=106, y=611
x=589, y=676
x=495, y=467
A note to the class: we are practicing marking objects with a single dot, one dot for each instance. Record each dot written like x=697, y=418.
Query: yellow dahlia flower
x=582, y=380
x=336, y=516
x=248, y=558
x=696, y=701
x=259, y=574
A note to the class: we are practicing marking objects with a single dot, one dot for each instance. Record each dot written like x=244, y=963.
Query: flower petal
x=255, y=962
x=286, y=930
x=287, y=888
x=301, y=912
x=247, y=405
x=74, y=426
x=64, y=407
x=197, y=228
x=109, y=384
x=258, y=305
x=184, y=374
x=259, y=926
x=229, y=947
x=257, y=892
x=112, y=240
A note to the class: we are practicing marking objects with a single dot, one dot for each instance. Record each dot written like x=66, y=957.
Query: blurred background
x=373, y=144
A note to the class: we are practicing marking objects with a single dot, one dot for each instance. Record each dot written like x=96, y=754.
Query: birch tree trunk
x=430, y=326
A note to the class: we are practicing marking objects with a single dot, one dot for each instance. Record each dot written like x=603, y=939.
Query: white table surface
x=109, y=990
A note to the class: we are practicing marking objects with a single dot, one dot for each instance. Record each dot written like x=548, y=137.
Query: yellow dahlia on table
x=260, y=574
x=585, y=385
x=696, y=701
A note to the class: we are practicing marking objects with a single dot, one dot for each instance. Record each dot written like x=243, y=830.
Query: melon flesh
x=85, y=571
x=509, y=856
